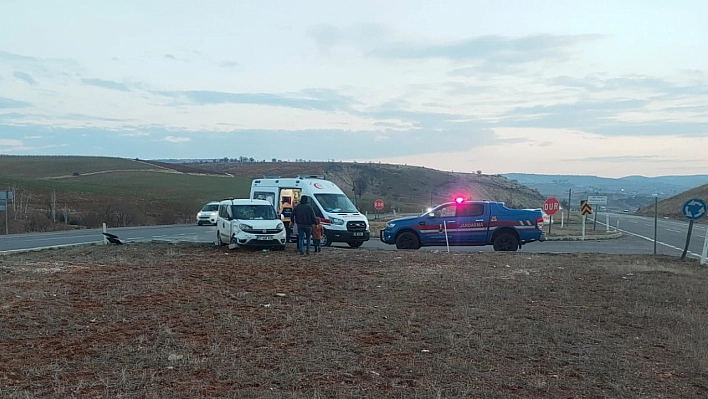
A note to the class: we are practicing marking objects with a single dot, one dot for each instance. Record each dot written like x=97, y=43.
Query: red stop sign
x=378, y=204
x=551, y=206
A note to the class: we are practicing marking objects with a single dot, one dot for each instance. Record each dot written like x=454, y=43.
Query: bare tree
x=53, y=205
x=65, y=211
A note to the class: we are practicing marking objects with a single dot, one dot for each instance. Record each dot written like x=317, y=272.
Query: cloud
x=623, y=158
x=174, y=139
x=364, y=36
x=601, y=117
x=25, y=77
x=135, y=134
x=36, y=63
x=106, y=84
x=489, y=49
x=325, y=36
x=261, y=144
x=229, y=64
x=482, y=54
x=634, y=158
x=10, y=103
x=13, y=146
x=10, y=142
x=170, y=57
x=311, y=99
x=631, y=83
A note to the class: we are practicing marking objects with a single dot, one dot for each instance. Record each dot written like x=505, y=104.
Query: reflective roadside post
x=656, y=218
x=704, y=253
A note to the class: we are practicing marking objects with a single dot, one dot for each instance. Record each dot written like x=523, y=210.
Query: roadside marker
x=705, y=249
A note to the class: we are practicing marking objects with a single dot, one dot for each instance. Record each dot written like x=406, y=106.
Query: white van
x=342, y=222
x=249, y=223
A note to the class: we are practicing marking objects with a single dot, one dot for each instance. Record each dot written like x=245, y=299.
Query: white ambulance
x=342, y=222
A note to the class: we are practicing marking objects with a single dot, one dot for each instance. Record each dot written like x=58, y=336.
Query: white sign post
x=583, y=216
x=607, y=222
x=705, y=249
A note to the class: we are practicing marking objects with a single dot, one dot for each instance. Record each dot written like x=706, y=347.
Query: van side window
x=222, y=212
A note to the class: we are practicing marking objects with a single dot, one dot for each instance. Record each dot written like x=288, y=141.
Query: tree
x=360, y=184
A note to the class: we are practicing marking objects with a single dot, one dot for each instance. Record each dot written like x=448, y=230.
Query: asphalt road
x=638, y=233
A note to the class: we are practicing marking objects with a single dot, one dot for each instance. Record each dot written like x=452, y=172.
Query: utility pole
x=569, y=204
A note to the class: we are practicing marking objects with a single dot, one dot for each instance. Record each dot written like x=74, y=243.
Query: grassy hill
x=671, y=207
x=409, y=188
x=64, y=191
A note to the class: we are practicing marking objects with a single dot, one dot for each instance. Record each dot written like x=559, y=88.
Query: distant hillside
x=671, y=207
x=664, y=186
x=631, y=192
x=405, y=187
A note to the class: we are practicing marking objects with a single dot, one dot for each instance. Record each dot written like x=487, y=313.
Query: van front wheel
x=324, y=241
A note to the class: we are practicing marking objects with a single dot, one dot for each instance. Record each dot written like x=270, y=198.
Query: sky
x=605, y=88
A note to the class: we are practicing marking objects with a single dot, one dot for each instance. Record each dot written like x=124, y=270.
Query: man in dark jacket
x=304, y=217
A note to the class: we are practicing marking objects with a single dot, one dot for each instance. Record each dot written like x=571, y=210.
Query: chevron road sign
x=585, y=208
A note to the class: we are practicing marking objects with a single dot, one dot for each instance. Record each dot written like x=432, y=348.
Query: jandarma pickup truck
x=465, y=222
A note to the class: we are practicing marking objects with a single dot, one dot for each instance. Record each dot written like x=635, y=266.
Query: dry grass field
x=166, y=321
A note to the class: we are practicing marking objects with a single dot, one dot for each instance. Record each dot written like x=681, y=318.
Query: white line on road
x=661, y=243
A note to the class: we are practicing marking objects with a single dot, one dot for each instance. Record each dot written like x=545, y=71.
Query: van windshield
x=253, y=212
x=336, y=203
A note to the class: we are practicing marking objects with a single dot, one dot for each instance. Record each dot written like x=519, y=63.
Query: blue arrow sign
x=694, y=209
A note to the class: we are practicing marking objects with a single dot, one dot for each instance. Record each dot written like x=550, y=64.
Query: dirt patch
x=162, y=321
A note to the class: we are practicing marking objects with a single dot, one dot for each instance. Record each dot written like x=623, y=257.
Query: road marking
x=59, y=238
x=672, y=230
x=659, y=242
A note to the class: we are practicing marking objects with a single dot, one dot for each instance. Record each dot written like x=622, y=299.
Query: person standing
x=286, y=209
x=304, y=217
x=317, y=231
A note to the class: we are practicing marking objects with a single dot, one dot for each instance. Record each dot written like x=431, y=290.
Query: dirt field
x=165, y=321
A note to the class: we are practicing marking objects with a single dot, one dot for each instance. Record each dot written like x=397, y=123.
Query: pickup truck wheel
x=407, y=240
x=218, y=239
x=506, y=242
x=355, y=244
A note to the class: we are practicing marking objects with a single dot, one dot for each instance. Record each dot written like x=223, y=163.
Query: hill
x=664, y=186
x=671, y=207
x=61, y=192
x=408, y=188
x=630, y=192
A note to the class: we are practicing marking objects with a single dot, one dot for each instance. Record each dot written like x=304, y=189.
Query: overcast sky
x=607, y=88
